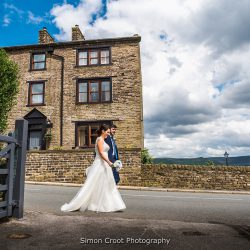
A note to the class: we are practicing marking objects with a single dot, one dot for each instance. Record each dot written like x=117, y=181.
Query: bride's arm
x=100, y=149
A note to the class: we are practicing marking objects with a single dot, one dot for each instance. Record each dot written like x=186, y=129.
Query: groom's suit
x=113, y=155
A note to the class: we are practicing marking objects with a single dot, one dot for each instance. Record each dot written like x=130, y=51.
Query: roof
x=105, y=41
x=34, y=113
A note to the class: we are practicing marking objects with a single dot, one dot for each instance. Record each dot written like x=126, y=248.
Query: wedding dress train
x=99, y=192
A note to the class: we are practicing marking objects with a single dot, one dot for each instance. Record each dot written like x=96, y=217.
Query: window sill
x=90, y=103
x=95, y=65
x=32, y=105
x=84, y=148
x=37, y=69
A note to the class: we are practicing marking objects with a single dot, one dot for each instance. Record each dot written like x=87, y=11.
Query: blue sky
x=18, y=27
x=194, y=56
x=21, y=20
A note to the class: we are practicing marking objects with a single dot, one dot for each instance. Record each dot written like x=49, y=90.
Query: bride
x=99, y=192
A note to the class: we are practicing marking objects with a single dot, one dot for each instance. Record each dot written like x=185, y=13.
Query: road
x=175, y=206
x=152, y=220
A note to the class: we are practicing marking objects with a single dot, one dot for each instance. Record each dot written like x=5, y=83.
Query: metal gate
x=12, y=171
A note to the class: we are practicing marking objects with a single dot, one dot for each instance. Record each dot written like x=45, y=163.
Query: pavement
x=49, y=230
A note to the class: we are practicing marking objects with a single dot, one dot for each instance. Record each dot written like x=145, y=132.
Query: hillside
x=232, y=161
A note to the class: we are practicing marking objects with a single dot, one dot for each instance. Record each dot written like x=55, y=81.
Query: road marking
x=182, y=197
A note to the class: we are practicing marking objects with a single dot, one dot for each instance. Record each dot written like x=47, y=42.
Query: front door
x=36, y=130
x=35, y=139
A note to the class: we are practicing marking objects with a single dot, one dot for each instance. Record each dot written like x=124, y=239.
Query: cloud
x=237, y=95
x=195, y=68
x=19, y=14
x=81, y=15
x=34, y=19
x=221, y=25
x=13, y=9
x=6, y=21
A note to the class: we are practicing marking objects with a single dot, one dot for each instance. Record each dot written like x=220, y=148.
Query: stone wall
x=68, y=166
x=196, y=177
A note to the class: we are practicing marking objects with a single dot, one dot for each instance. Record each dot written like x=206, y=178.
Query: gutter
x=50, y=50
x=105, y=41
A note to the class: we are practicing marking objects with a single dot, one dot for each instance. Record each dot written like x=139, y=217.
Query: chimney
x=45, y=37
x=77, y=34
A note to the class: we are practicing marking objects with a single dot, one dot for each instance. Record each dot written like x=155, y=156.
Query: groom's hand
x=111, y=164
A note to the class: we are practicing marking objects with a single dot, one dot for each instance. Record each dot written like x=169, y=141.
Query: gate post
x=21, y=131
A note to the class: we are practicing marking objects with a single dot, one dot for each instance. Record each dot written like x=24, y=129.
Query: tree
x=8, y=87
x=210, y=163
x=146, y=158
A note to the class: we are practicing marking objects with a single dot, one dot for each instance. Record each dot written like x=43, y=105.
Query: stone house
x=67, y=89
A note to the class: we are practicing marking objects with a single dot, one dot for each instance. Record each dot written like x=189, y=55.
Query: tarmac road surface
x=152, y=220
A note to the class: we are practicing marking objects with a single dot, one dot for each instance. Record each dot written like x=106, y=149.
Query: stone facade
x=196, y=177
x=60, y=76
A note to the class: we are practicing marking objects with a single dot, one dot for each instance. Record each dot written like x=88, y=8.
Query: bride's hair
x=104, y=127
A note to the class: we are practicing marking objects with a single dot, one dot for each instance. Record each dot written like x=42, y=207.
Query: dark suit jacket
x=112, y=157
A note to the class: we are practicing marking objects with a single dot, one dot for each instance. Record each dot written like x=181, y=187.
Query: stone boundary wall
x=196, y=177
x=68, y=166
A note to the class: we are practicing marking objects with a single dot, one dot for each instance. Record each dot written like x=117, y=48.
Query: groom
x=113, y=151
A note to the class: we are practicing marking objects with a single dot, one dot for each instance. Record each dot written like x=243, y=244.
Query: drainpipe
x=50, y=50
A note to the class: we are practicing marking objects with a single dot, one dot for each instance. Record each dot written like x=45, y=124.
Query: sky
x=195, y=57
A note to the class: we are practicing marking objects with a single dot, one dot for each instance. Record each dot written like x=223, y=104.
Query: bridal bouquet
x=117, y=164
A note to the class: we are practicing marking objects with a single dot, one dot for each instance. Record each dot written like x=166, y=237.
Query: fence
x=12, y=171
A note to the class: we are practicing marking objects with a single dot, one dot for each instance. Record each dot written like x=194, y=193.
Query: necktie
x=114, y=148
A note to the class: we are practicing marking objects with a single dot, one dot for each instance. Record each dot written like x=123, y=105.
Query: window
x=86, y=133
x=36, y=93
x=93, y=91
x=38, y=61
x=93, y=57
x=104, y=56
x=35, y=136
x=83, y=92
x=83, y=58
x=88, y=57
x=105, y=91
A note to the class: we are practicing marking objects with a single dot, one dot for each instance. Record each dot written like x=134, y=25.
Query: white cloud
x=15, y=13
x=195, y=68
x=6, y=21
x=66, y=16
x=34, y=19
x=13, y=9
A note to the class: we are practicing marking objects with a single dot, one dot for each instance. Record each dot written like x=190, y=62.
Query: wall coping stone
x=77, y=150
x=198, y=167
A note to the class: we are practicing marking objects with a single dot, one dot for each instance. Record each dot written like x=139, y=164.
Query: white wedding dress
x=99, y=192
